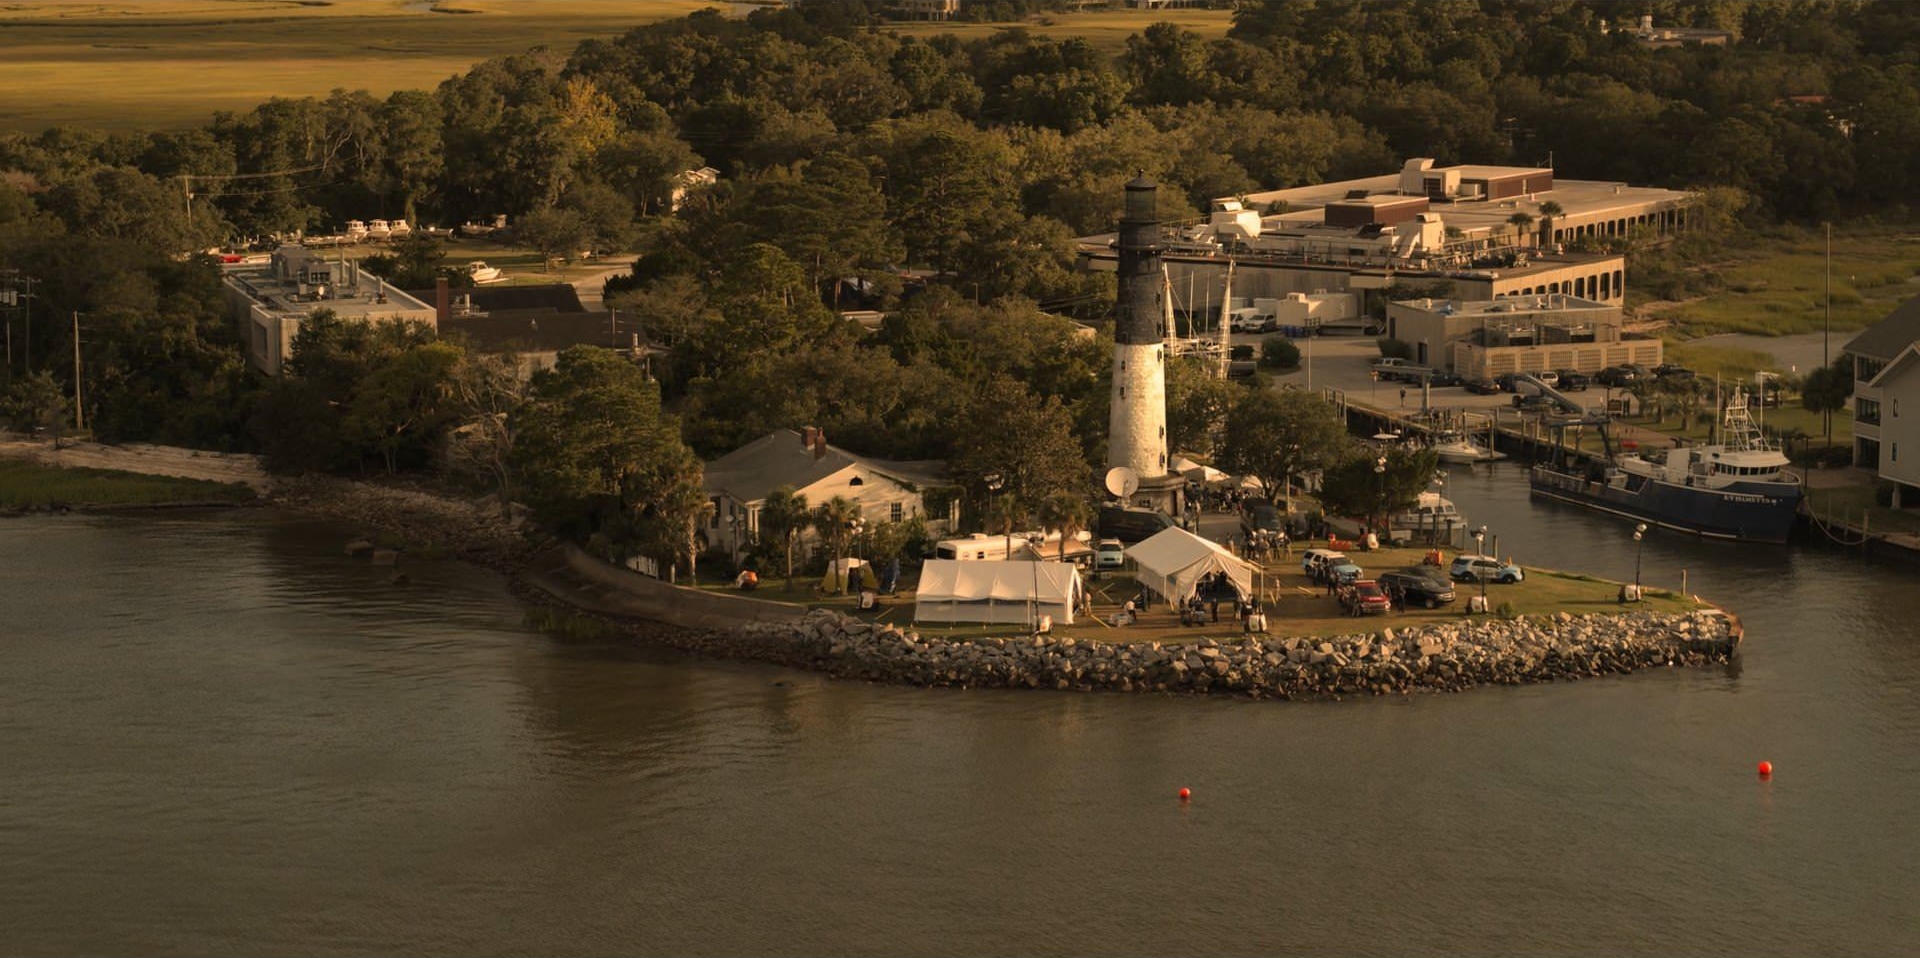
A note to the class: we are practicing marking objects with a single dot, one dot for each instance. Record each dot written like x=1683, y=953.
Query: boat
x=1739, y=488
x=1433, y=516
x=378, y=229
x=397, y=229
x=481, y=273
x=1461, y=448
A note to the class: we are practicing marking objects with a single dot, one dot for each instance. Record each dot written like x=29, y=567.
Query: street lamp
x=1034, y=541
x=1639, y=549
x=1479, y=546
x=1380, y=476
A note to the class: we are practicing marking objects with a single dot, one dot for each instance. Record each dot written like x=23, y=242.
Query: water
x=219, y=735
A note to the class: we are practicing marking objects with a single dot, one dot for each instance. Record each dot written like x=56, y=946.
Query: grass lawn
x=1295, y=607
x=28, y=485
x=1852, y=504
x=169, y=64
x=1776, y=286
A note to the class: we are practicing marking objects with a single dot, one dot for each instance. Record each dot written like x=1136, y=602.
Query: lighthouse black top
x=1136, y=312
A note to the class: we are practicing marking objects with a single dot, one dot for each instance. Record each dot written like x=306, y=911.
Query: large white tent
x=1174, y=561
x=988, y=590
x=1205, y=475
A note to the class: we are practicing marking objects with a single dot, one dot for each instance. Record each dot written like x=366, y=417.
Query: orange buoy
x=1185, y=794
x=1766, y=769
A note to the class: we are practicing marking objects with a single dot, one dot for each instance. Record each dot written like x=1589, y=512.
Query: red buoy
x=1766, y=769
x=1185, y=794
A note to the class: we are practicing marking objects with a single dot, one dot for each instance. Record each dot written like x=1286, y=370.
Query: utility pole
x=79, y=417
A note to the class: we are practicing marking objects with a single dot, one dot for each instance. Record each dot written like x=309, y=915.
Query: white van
x=985, y=545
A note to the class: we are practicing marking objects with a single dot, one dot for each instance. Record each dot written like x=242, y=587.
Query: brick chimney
x=806, y=437
x=819, y=443
x=442, y=306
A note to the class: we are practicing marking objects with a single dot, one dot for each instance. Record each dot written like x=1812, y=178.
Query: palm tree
x=1066, y=514
x=834, y=521
x=784, y=516
x=1549, y=211
x=1520, y=222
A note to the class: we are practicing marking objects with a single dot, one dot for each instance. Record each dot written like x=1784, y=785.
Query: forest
x=849, y=154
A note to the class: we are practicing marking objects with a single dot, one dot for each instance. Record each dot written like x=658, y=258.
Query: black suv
x=1571, y=381
x=1259, y=515
x=1419, y=586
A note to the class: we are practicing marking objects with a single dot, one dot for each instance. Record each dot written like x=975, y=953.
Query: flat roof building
x=1483, y=230
x=271, y=299
x=1529, y=334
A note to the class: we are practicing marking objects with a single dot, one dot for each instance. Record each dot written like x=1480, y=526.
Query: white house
x=1886, y=383
x=739, y=482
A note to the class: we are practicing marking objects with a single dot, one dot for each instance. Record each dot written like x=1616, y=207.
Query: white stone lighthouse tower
x=1137, y=431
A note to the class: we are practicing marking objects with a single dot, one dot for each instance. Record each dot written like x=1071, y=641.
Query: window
x=1866, y=411
x=856, y=481
x=1895, y=452
x=896, y=512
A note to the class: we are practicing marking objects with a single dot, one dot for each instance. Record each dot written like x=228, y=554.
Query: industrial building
x=1483, y=339
x=1488, y=232
x=271, y=299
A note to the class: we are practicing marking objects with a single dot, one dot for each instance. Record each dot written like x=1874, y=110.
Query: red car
x=1365, y=597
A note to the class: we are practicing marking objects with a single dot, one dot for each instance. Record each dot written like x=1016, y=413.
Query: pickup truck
x=1393, y=369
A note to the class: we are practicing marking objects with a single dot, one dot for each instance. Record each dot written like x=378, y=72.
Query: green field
x=25, y=485
x=1777, y=285
x=169, y=64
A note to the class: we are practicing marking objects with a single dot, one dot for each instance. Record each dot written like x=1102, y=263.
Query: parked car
x=1615, y=376
x=1482, y=387
x=1672, y=371
x=1109, y=554
x=1442, y=377
x=1320, y=565
x=1548, y=376
x=1573, y=381
x=1342, y=572
x=1468, y=568
x=1422, y=586
x=1365, y=597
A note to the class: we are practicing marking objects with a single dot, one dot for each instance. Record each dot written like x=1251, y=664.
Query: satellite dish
x=1386, y=437
x=1122, y=482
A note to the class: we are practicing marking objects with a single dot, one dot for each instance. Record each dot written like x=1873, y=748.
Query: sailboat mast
x=1226, y=323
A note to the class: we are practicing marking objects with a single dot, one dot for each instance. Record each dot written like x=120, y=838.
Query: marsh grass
x=1775, y=286
x=26, y=485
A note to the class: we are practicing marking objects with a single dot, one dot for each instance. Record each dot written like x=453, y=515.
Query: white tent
x=987, y=590
x=1174, y=561
x=1205, y=475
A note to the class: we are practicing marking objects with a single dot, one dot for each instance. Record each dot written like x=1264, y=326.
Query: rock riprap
x=1453, y=657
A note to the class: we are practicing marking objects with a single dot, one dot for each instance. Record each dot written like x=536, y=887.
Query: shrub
x=1507, y=610
x=1394, y=348
x=1279, y=353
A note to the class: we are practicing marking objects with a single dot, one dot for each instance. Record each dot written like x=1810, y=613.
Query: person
x=1214, y=607
x=1286, y=546
x=1128, y=610
x=1403, y=395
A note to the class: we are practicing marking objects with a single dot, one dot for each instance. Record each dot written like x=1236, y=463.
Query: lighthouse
x=1137, y=429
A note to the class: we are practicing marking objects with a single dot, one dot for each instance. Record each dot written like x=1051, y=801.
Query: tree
x=557, y=232
x=1367, y=483
x=783, y=517
x=1549, y=211
x=401, y=407
x=1273, y=435
x=1197, y=403
x=1827, y=390
x=1067, y=514
x=1018, y=448
x=36, y=402
x=834, y=521
x=1520, y=223
x=598, y=459
x=486, y=390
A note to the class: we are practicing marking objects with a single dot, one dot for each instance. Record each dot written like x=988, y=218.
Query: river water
x=220, y=735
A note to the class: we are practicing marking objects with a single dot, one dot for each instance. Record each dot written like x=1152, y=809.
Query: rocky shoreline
x=1450, y=658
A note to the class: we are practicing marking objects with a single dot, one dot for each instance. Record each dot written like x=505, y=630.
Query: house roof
x=1897, y=366
x=1886, y=338
x=543, y=330
x=781, y=458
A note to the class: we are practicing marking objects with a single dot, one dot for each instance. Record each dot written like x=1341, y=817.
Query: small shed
x=995, y=591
